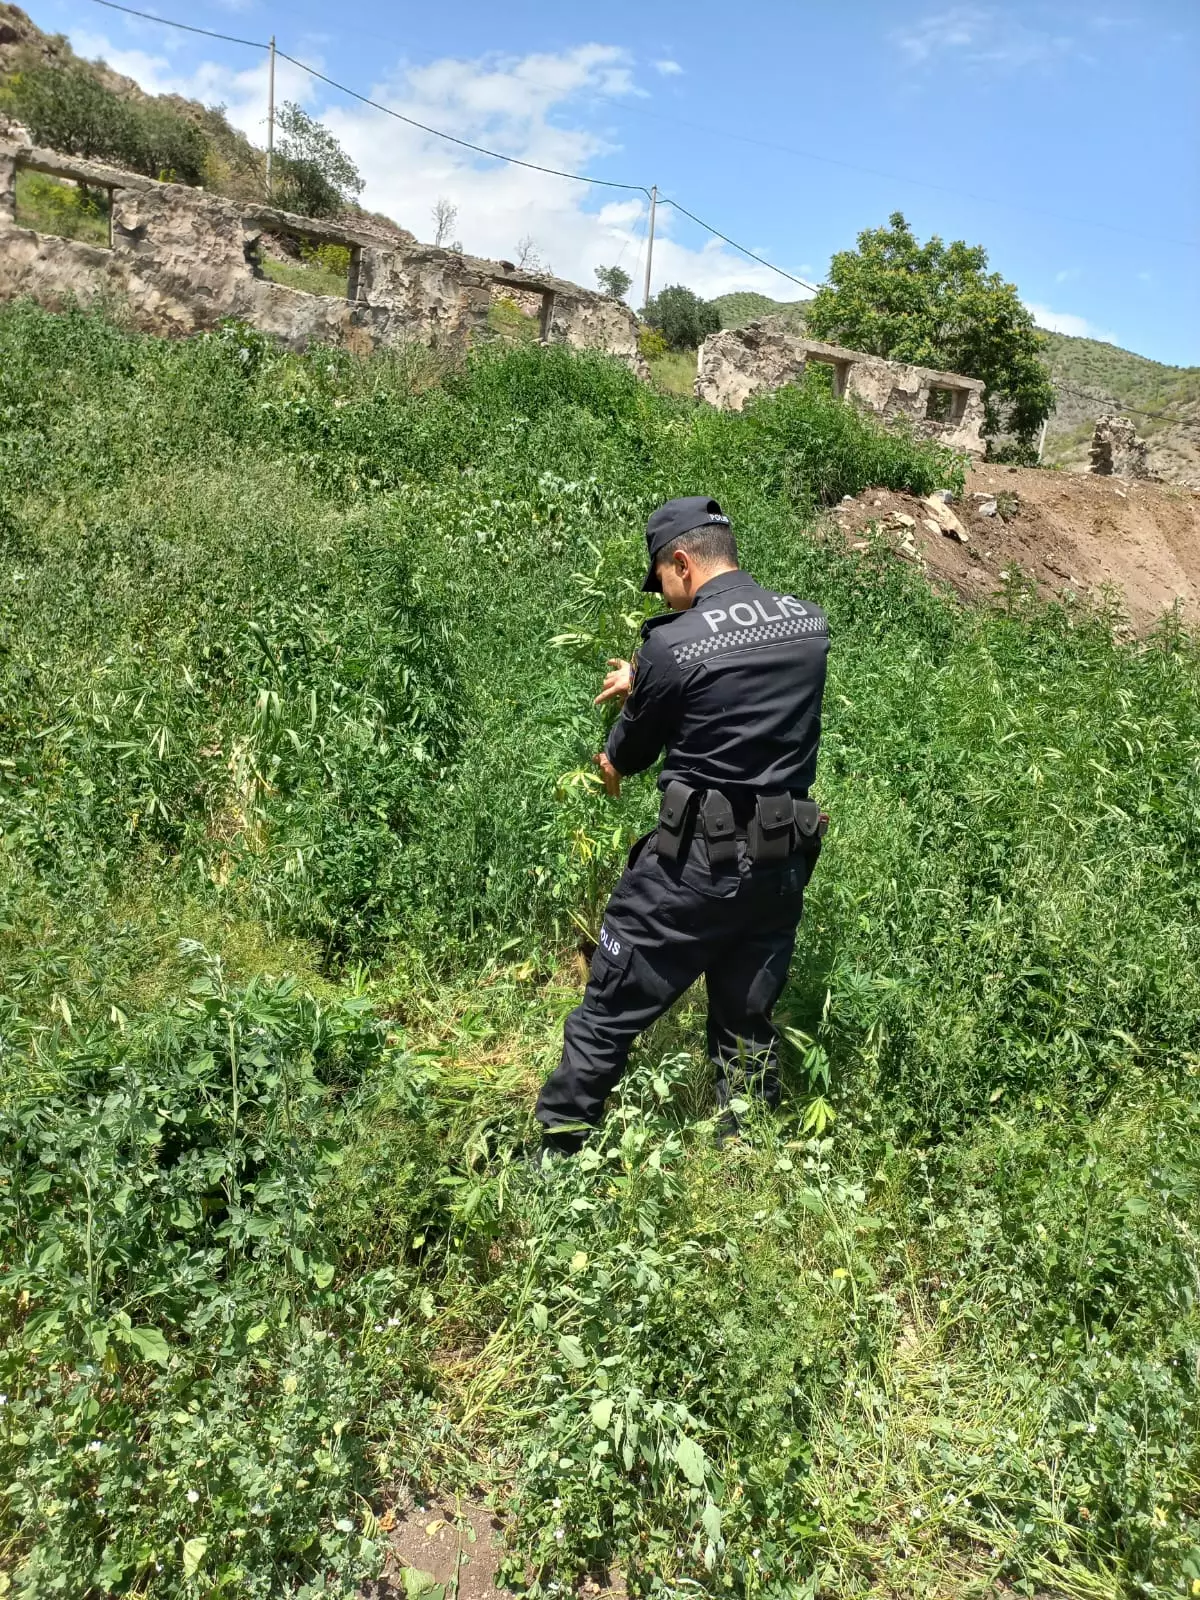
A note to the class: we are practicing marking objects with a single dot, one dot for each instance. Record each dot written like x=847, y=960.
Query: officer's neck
x=717, y=570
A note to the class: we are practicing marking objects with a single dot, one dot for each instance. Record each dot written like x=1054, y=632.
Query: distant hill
x=1091, y=378
x=745, y=306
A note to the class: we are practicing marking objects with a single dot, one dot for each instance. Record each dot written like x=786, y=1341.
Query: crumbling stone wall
x=182, y=260
x=739, y=362
x=1117, y=450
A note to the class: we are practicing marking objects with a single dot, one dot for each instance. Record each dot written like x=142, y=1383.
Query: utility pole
x=270, y=114
x=650, y=244
x=1042, y=439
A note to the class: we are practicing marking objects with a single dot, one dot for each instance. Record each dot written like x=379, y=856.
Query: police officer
x=729, y=682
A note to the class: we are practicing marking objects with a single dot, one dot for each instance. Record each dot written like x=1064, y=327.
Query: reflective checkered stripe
x=764, y=633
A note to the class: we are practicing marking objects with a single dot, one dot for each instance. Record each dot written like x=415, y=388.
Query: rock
x=944, y=519
x=944, y=495
x=901, y=519
x=934, y=527
x=987, y=508
x=1116, y=449
x=847, y=499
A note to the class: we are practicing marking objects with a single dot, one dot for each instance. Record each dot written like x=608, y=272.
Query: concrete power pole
x=270, y=114
x=650, y=244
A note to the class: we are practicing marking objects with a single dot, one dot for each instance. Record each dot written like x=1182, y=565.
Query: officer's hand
x=618, y=683
x=612, y=778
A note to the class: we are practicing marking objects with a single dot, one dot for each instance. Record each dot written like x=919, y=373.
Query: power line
x=496, y=155
x=437, y=133
x=716, y=232
x=230, y=38
x=1141, y=411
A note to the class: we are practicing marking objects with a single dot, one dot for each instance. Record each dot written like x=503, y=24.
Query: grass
x=321, y=269
x=57, y=206
x=675, y=371
x=512, y=325
x=298, y=834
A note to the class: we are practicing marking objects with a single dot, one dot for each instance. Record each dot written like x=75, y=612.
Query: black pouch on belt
x=770, y=836
x=720, y=829
x=811, y=823
x=674, y=820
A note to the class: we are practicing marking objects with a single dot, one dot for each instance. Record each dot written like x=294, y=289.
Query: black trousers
x=665, y=925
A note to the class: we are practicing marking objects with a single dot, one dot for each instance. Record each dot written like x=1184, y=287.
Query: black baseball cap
x=671, y=522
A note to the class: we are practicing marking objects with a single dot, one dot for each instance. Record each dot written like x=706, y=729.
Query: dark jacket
x=731, y=689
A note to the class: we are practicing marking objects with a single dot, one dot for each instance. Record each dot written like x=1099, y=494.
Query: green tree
x=681, y=316
x=937, y=305
x=613, y=281
x=314, y=175
x=69, y=109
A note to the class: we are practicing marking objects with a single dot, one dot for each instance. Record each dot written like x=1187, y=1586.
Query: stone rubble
x=1117, y=450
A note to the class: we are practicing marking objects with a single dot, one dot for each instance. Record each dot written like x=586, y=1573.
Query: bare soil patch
x=454, y=1548
x=1071, y=535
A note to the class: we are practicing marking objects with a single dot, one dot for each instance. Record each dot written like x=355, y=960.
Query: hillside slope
x=1091, y=377
x=235, y=167
x=298, y=834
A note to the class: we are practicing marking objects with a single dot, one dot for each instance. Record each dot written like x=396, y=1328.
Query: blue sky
x=1063, y=137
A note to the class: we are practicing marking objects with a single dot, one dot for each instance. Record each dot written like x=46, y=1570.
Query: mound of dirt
x=1071, y=535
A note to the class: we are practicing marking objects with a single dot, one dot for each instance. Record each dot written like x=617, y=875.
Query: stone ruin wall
x=1116, y=449
x=182, y=261
x=739, y=362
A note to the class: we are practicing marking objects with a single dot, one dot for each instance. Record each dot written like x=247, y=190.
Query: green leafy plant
x=935, y=304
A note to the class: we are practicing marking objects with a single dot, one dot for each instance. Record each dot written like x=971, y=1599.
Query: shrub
x=69, y=109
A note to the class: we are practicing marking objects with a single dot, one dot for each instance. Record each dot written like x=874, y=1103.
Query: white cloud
x=981, y=36
x=1068, y=322
x=1068, y=275
x=547, y=108
x=669, y=69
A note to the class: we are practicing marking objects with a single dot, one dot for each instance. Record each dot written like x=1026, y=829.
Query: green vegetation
x=934, y=304
x=613, y=280
x=70, y=109
x=53, y=205
x=682, y=318
x=512, y=325
x=674, y=370
x=319, y=269
x=298, y=657
x=1091, y=377
x=743, y=306
x=313, y=174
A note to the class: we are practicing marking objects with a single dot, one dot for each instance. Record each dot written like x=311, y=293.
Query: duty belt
x=780, y=824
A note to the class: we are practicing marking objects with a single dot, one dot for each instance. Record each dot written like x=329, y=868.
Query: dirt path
x=1066, y=532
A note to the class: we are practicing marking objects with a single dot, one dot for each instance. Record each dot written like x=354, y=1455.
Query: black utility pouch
x=770, y=836
x=811, y=823
x=674, y=820
x=720, y=829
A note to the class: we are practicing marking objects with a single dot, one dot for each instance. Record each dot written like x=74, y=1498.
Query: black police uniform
x=732, y=688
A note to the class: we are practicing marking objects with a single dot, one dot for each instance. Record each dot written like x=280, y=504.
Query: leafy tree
x=315, y=176
x=613, y=281
x=936, y=305
x=69, y=109
x=682, y=317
